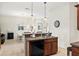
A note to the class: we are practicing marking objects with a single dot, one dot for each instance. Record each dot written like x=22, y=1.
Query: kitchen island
x=41, y=46
x=75, y=48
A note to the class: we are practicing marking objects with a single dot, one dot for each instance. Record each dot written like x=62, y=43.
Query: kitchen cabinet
x=50, y=46
x=77, y=15
x=75, y=48
x=41, y=46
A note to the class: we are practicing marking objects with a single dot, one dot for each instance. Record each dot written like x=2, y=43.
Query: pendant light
x=32, y=9
x=32, y=19
x=32, y=16
x=45, y=18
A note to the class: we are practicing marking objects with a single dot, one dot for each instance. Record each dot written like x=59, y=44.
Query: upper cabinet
x=77, y=15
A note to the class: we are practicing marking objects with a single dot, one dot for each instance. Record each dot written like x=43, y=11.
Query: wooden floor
x=14, y=48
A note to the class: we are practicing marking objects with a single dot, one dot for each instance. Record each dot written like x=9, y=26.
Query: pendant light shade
x=45, y=18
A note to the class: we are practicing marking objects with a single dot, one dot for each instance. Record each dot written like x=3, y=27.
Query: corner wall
x=62, y=14
x=74, y=33
x=11, y=23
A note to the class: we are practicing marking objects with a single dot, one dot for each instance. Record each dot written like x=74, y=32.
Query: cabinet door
x=30, y=48
x=47, y=48
x=50, y=47
x=78, y=17
x=54, y=47
x=75, y=51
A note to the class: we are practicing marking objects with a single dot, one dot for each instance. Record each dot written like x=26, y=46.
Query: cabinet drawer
x=75, y=54
x=48, y=40
x=75, y=51
x=55, y=40
x=47, y=49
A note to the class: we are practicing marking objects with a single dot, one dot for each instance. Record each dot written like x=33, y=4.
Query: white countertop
x=39, y=38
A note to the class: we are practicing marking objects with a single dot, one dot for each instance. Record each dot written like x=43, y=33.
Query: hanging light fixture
x=32, y=9
x=32, y=15
x=45, y=18
x=32, y=19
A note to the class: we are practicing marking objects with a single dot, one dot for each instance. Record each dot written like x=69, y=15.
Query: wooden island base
x=75, y=48
x=41, y=46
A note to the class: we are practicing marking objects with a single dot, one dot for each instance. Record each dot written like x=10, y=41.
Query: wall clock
x=57, y=23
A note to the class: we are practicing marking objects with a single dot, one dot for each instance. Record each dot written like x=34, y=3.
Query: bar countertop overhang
x=39, y=38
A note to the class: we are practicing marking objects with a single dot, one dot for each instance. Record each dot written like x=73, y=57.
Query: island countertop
x=75, y=44
x=39, y=38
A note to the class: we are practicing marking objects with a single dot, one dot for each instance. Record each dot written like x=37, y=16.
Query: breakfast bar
x=41, y=45
x=75, y=48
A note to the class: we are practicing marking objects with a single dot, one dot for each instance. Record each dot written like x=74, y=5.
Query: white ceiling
x=18, y=8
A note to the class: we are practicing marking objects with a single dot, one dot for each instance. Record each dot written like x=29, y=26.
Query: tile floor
x=13, y=48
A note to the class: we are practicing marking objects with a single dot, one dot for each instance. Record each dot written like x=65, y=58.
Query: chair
x=69, y=49
x=20, y=35
x=2, y=38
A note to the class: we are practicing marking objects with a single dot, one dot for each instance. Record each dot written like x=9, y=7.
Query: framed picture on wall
x=20, y=27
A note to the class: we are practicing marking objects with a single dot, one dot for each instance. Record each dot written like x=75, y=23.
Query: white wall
x=61, y=13
x=67, y=32
x=11, y=23
x=73, y=23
